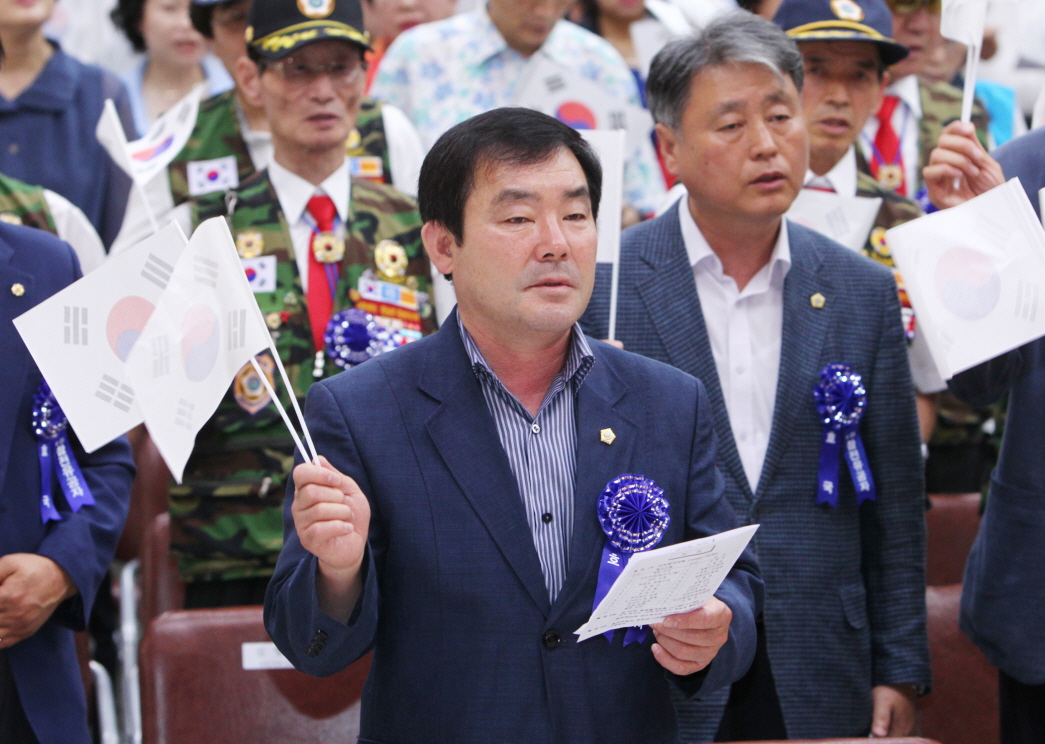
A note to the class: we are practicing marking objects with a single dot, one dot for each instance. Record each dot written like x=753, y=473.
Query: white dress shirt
x=841, y=178
x=906, y=121
x=294, y=192
x=745, y=329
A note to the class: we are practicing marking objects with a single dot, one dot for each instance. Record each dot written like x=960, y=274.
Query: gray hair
x=734, y=37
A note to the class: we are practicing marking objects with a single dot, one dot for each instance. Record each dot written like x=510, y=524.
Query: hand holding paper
x=688, y=642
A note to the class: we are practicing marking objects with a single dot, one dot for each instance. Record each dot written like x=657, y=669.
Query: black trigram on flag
x=237, y=329
x=76, y=326
x=183, y=416
x=116, y=393
x=157, y=271
x=555, y=83
x=206, y=271
x=161, y=358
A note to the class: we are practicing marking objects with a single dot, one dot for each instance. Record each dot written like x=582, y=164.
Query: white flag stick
x=282, y=411
x=972, y=63
x=614, y=283
x=293, y=402
x=148, y=206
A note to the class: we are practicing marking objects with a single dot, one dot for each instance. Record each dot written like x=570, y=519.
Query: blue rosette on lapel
x=840, y=402
x=56, y=455
x=634, y=515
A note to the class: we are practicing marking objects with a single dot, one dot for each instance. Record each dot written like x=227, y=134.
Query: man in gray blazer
x=765, y=313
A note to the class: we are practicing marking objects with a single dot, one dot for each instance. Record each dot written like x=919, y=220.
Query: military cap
x=842, y=20
x=278, y=27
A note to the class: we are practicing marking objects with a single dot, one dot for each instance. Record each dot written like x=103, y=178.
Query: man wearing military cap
x=231, y=140
x=897, y=139
x=847, y=46
x=338, y=270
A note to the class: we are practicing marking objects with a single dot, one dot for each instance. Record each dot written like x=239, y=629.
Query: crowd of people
x=411, y=170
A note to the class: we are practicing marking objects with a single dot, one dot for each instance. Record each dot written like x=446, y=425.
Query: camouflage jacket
x=217, y=135
x=941, y=104
x=22, y=204
x=226, y=518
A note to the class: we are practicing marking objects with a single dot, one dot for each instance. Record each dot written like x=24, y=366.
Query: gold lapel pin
x=17, y=289
x=606, y=436
x=817, y=300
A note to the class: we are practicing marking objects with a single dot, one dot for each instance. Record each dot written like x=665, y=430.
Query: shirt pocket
x=854, y=604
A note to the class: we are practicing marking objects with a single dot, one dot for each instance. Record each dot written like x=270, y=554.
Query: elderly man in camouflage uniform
x=231, y=141
x=338, y=271
x=846, y=46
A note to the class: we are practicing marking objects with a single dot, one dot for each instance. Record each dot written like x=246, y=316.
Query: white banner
x=845, y=219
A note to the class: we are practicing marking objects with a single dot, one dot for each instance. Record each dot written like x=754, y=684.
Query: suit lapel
x=464, y=433
x=802, y=339
x=599, y=401
x=670, y=295
x=16, y=356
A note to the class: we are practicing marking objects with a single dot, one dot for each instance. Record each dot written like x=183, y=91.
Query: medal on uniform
x=250, y=244
x=390, y=258
x=633, y=514
x=353, y=142
x=248, y=388
x=10, y=218
x=56, y=457
x=353, y=336
x=841, y=400
x=328, y=247
x=890, y=175
x=880, y=247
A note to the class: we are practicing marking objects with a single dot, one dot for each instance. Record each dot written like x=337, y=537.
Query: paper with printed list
x=667, y=581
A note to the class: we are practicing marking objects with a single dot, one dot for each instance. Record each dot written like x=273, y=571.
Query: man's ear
x=668, y=144
x=248, y=81
x=439, y=243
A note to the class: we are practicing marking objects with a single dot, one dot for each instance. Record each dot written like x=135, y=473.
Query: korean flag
x=208, y=176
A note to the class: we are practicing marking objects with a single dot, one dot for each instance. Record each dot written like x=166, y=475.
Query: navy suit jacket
x=845, y=587
x=455, y=606
x=1003, y=600
x=45, y=666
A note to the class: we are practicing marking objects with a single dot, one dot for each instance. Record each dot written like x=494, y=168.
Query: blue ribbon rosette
x=634, y=515
x=56, y=456
x=352, y=336
x=840, y=402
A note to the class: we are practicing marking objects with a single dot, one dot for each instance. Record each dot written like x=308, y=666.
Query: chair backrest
x=161, y=587
x=952, y=524
x=963, y=705
x=148, y=493
x=196, y=691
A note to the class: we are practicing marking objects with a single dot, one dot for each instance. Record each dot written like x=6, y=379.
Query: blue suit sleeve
x=988, y=382
x=709, y=513
x=892, y=528
x=313, y=641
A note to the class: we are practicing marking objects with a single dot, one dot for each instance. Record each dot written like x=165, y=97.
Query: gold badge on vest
x=248, y=389
x=390, y=258
x=328, y=247
x=250, y=243
x=890, y=175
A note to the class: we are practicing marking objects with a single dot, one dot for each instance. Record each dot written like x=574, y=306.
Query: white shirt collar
x=908, y=91
x=294, y=191
x=701, y=256
x=487, y=41
x=842, y=178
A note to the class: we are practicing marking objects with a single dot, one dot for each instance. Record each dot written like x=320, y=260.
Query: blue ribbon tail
x=610, y=568
x=635, y=635
x=47, y=511
x=827, y=474
x=859, y=467
x=77, y=492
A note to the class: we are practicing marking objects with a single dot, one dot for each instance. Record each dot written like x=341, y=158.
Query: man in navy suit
x=454, y=525
x=722, y=287
x=49, y=573
x=1003, y=598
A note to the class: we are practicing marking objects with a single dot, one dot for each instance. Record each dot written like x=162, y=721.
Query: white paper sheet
x=1041, y=205
x=976, y=277
x=667, y=581
x=845, y=219
x=262, y=656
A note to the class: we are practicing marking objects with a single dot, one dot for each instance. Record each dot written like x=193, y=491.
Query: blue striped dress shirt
x=542, y=451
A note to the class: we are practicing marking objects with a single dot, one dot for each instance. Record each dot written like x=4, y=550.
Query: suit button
x=551, y=639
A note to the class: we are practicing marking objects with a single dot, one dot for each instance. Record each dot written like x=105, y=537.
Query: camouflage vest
x=217, y=135
x=226, y=520
x=22, y=204
x=895, y=210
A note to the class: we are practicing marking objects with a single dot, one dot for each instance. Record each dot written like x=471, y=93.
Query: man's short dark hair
x=127, y=15
x=202, y=16
x=510, y=136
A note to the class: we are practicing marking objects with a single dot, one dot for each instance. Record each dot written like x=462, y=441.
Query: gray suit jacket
x=845, y=586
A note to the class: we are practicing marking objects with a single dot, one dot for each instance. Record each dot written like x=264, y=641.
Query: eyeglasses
x=904, y=7
x=297, y=73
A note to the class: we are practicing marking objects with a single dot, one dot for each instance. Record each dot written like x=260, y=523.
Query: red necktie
x=887, y=144
x=320, y=297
